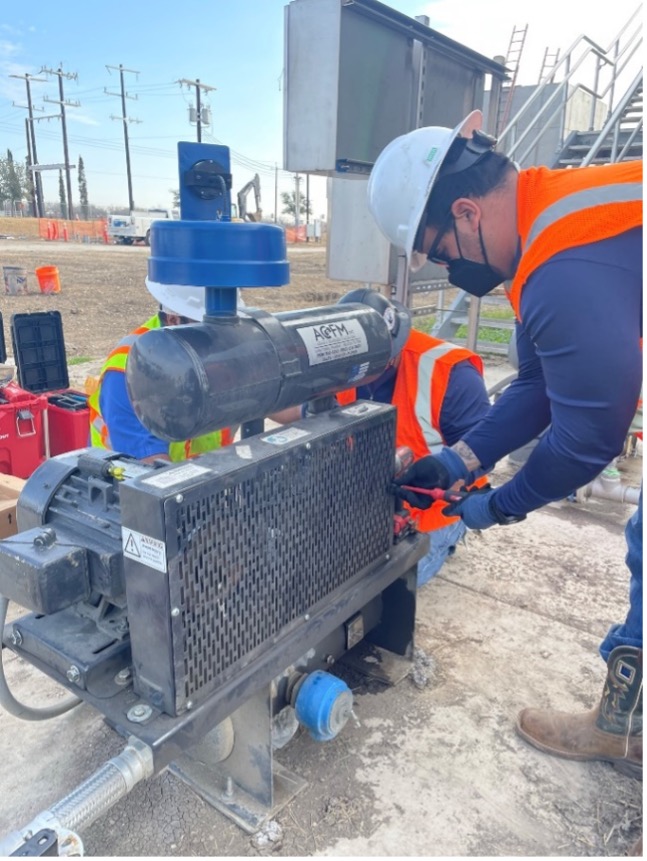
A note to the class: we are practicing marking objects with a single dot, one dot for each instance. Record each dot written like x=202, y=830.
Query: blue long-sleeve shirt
x=580, y=373
x=127, y=433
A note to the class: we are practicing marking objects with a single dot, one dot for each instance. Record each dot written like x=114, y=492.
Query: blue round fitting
x=323, y=705
x=218, y=254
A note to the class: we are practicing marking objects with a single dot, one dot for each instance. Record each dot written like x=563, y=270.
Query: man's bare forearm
x=466, y=454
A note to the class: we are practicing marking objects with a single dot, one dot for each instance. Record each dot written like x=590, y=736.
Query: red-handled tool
x=437, y=494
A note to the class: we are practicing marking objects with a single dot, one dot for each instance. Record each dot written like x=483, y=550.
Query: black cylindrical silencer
x=185, y=381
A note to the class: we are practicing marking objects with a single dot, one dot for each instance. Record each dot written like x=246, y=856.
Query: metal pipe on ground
x=609, y=488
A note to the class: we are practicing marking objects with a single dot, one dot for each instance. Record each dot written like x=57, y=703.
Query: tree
x=12, y=182
x=61, y=195
x=290, y=204
x=83, y=190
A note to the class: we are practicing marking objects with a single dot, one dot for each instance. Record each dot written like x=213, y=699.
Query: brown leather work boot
x=612, y=732
x=637, y=848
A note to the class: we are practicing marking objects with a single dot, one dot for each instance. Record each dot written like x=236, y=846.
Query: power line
x=63, y=103
x=34, y=157
x=124, y=118
x=200, y=119
x=265, y=168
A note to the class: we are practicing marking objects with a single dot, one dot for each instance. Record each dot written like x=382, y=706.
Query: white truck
x=136, y=226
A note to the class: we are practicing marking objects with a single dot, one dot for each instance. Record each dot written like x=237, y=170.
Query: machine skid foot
x=218, y=790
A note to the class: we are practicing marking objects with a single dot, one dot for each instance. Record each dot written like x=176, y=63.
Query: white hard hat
x=403, y=175
x=181, y=299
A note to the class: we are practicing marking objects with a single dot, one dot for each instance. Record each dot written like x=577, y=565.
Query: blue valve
x=323, y=705
x=205, y=248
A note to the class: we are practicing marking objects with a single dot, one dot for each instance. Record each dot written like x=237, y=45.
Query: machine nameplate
x=329, y=342
x=142, y=548
x=285, y=436
x=177, y=476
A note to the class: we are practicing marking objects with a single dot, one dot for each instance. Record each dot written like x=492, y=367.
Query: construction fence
x=310, y=232
x=73, y=230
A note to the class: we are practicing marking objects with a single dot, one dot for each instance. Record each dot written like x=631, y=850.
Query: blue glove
x=478, y=510
x=442, y=470
x=475, y=510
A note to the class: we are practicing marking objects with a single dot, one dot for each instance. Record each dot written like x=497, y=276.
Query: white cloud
x=83, y=119
x=9, y=49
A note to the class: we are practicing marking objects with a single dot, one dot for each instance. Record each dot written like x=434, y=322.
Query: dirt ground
x=103, y=295
x=434, y=767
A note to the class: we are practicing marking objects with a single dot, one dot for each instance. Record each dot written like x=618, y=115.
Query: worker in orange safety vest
x=568, y=242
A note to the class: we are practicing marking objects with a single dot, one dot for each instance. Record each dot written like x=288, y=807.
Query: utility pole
x=40, y=207
x=307, y=205
x=30, y=174
x=61, y=101
x=276, y=193
x=198, y=107
x=297, y=202
x=125, y=120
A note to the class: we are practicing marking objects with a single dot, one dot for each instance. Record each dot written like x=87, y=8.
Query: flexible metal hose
x=7, y=700
x=90, y=800
x=102, y=790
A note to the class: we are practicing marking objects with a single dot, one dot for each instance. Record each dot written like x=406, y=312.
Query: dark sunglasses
x=432, y=255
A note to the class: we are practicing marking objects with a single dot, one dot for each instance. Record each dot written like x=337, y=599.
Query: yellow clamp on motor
x=117, y=472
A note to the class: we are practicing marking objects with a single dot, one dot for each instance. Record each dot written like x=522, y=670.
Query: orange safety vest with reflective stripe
x=117, y=361
x=561, y=209
x=420, y=388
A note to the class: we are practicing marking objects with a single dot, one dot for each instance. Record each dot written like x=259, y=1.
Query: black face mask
x=474, y=278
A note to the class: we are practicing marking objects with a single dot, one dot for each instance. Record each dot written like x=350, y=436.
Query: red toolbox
x=39, y=350
x=22, y=437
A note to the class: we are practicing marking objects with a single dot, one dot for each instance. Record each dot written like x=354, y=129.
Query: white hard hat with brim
x=403, y=177
x=182, y=299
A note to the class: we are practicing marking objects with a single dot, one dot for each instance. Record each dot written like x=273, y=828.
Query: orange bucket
x=48, y=279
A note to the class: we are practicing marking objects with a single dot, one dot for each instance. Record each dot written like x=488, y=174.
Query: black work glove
x=442, y=470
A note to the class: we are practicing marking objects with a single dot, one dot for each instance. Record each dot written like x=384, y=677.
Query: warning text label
x=142, y=548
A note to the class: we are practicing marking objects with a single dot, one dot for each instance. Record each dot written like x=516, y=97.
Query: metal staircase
x=620, y=140
x=617, y=137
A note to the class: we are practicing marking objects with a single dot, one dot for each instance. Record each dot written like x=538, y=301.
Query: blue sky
x=233, y=45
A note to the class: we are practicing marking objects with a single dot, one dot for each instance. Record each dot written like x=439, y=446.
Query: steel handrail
x=632, y=137
x=617, y=64
x=539, y=91
x=613, y=120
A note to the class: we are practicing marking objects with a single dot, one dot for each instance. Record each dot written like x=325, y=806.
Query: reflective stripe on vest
x=617, y=193
x=427, y=407
x=562, y=209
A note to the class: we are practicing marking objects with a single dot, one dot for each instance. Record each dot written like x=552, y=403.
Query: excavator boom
x=243, y=213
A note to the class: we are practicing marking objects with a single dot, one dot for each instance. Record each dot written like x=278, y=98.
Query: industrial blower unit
x=200, y=607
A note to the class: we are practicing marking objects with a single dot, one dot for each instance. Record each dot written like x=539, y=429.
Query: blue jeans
x=442, y=543
x=630, y=632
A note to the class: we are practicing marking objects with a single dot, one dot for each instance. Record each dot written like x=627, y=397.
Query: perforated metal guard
x=260, y=553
